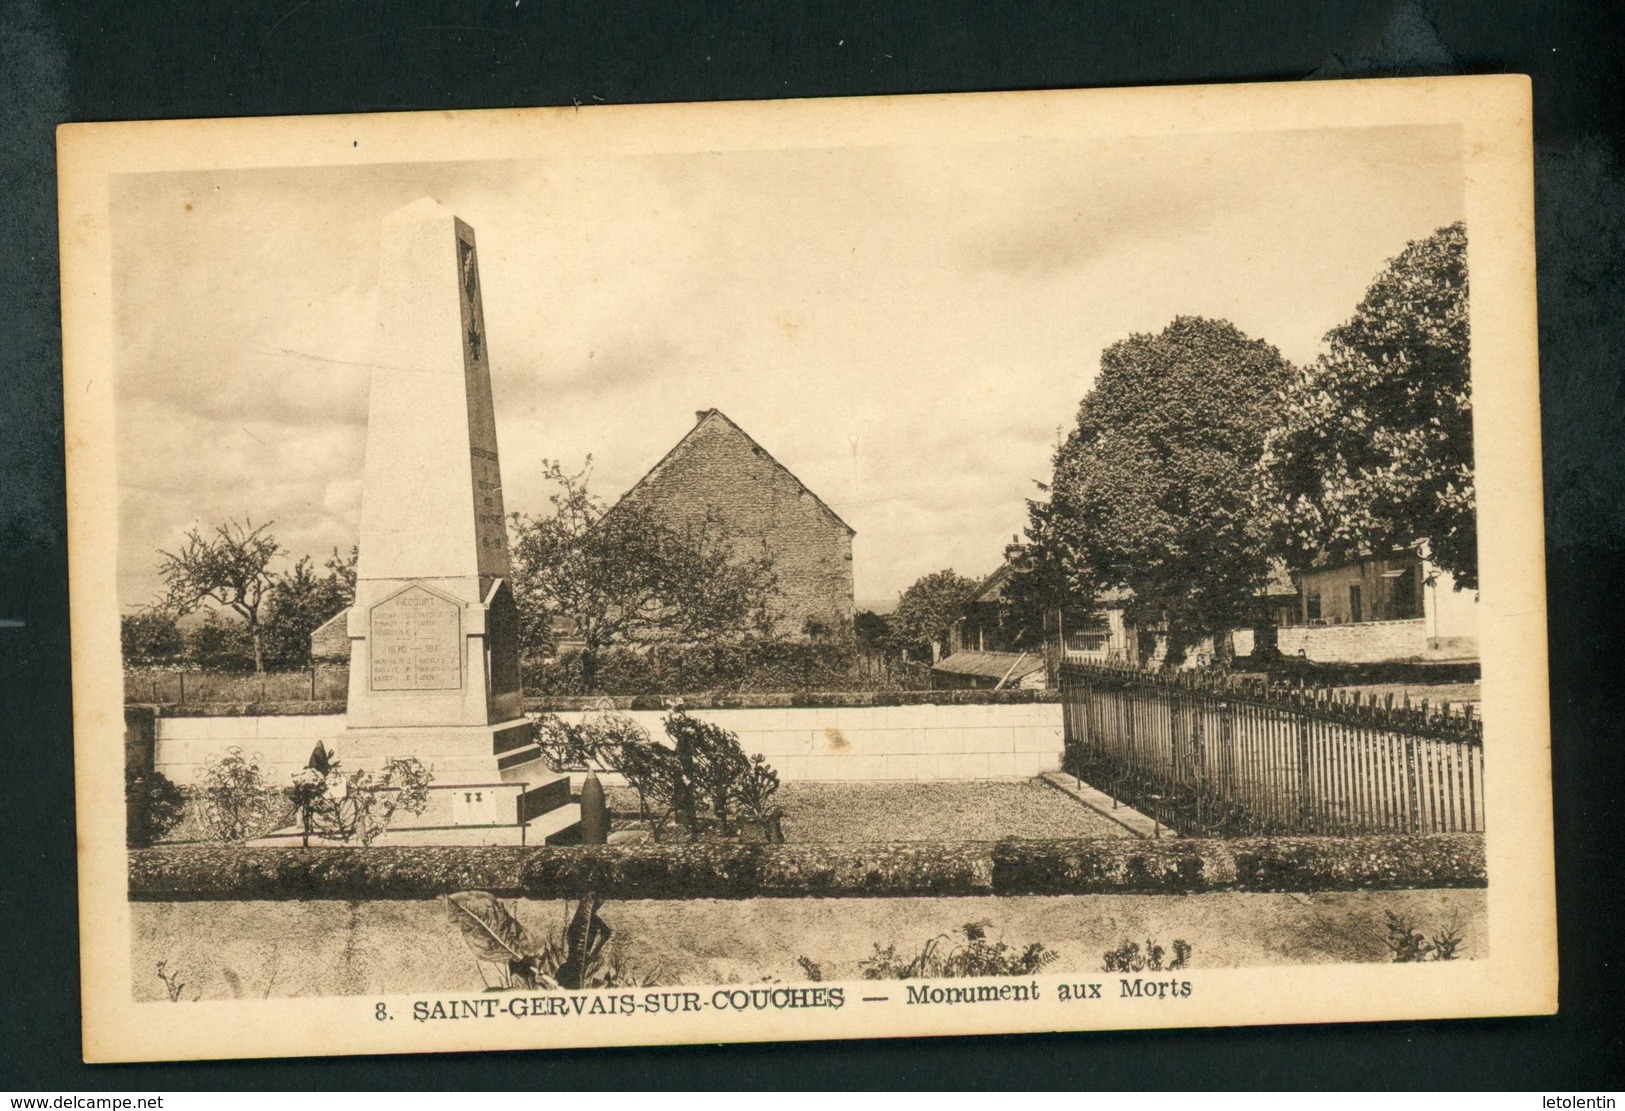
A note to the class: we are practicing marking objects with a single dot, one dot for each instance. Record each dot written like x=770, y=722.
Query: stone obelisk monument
x=434, y=646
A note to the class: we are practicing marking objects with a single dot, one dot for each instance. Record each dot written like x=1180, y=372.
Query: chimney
x=701, y=414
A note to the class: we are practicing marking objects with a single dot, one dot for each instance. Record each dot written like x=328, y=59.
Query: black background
x=65, y=61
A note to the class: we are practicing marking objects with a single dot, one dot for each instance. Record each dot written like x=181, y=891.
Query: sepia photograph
x=807, y=569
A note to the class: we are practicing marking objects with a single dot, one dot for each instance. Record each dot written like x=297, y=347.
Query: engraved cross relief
x=471, y=289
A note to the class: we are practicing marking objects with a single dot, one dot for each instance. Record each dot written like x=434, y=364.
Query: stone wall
x=1357, y=642
x=762, y=506
x=803, y=743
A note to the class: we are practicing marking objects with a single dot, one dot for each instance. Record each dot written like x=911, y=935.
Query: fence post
x=1199, y=705
x=1413, y=803
x=1305, y=786
x=313, y=681
x=183, y=688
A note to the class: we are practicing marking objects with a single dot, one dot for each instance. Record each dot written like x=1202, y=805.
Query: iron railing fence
x=1213, y=756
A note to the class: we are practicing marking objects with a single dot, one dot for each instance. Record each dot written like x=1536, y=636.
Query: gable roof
x=708, y=417
x=992, y=587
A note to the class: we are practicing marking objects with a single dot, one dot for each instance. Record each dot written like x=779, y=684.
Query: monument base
x=490, y=784
x=471, y=814
x=505, y=752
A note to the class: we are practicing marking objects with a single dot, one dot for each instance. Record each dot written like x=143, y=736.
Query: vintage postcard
x=807, y=570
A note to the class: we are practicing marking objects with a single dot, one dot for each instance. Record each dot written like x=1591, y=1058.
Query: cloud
x=1082, y=224
x=906, y=328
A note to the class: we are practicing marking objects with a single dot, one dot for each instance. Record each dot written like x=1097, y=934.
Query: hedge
x=734, y=871
x=757, y=666
x=711, y=700
x=1188, y=865
x=703, y=700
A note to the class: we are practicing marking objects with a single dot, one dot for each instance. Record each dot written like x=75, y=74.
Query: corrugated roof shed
x=991, y=665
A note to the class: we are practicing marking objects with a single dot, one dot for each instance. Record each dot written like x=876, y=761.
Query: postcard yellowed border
x=1519, y=976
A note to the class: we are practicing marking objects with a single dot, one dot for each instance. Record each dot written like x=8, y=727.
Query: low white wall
x=802, y=743
x=282, y=744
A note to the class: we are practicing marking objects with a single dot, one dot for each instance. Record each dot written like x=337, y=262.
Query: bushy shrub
x=149, y=637
x=711, y=764
x=702, y=777
x=234, y=799
x=152, y=806
x=756, y=793
x=593, y=745
x=219, y=644
x=358, y=806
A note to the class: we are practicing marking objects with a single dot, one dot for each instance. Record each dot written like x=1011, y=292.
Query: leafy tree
x=150, y=636
x=928, y=609
x=231, y=569
x=1375, y=447
x=1040, y=582
x=872, y=630
x=220, y=644
x=301, y=600
x=1153, y=490
x=623, y=575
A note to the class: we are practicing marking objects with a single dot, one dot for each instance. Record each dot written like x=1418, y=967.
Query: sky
x=907, y=329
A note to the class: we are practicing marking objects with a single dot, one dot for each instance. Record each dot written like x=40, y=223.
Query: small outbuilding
x=330, y=642
x=990, y=671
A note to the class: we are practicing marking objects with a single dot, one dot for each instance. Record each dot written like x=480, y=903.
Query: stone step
x=523, y=765
x=477, y=814
x=559, y=826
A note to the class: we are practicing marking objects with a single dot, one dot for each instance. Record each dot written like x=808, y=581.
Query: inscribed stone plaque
x=416, y=643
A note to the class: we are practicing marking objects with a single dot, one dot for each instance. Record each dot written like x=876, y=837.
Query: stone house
x=1106, y=634
x=718, y=468
x=1378, y=608
x=988, y=624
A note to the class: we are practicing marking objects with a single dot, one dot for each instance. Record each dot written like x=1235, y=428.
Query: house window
x=1086, y=642
x=1311, y=608
x=1356, y=612
x=1404, y=594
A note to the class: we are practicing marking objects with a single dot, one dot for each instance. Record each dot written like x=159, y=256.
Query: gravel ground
x=979, y=810
x=957, y=811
